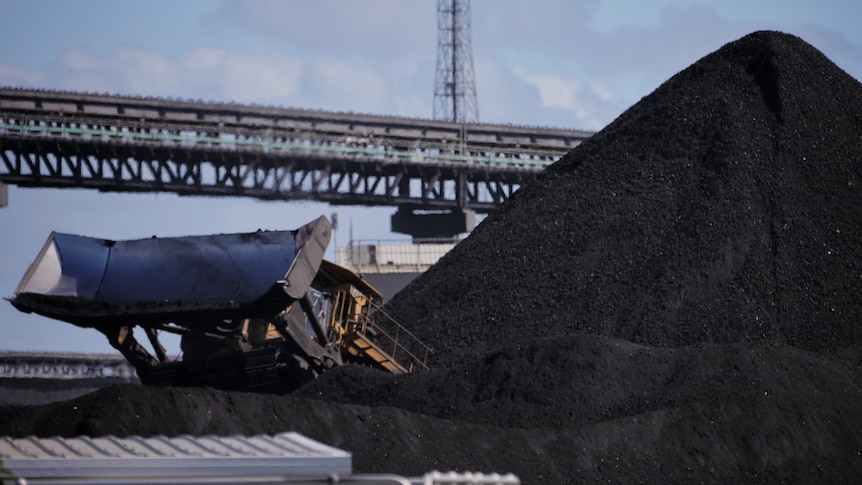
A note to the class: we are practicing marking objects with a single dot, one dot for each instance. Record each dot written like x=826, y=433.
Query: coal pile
x=675, y=300
x=723, y=207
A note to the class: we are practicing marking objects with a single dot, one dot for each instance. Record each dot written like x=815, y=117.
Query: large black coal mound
x=726, y=206
x=676, y=300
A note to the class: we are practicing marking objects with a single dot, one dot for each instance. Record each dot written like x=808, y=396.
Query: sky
x=546, y=63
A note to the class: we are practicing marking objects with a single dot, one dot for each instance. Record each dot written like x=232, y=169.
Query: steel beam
x=134, y=144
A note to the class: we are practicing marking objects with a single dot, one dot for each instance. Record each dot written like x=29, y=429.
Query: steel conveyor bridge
x=138, y=144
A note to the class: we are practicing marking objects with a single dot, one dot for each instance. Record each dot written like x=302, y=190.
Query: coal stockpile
x=676, y=300
x=723, y=207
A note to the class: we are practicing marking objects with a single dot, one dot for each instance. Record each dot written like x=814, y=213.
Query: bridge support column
x=4, y=195
x=443, y=224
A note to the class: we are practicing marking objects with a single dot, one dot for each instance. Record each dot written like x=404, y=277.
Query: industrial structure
x=436, y=173
x=439, y=174
x=260, y=311
x=455, y=96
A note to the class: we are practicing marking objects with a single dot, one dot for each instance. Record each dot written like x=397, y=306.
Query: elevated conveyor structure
x=135, y=144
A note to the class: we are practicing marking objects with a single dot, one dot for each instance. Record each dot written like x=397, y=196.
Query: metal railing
x=402, y=344
x=389, y=150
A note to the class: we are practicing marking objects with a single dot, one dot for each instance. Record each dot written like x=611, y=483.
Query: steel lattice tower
x=455, y=84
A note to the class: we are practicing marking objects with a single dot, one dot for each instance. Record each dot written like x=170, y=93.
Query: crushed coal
x=675, y=300
x=723, y=207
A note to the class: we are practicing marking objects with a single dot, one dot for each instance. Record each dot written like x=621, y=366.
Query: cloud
x=12, y=75
x=554, y=91
x=565, y=42
x=619, y=64
x=142, y=71
x=245, y=78
x=203, y=73
x=603, y=92
x=542, y=63
x=78, y=60
x=590, y=103
x=343, y=86
x=370, y=29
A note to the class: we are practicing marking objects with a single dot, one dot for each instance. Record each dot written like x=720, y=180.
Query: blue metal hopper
x=82, y=279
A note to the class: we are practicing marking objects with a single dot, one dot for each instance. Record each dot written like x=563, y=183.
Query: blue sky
x=572, y=64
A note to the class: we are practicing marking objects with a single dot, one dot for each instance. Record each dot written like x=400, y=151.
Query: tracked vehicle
x=259, y=311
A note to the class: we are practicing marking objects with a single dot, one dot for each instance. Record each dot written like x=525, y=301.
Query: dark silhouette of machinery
x=259, y=311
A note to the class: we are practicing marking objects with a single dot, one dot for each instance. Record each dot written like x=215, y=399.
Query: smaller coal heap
x=726, y=206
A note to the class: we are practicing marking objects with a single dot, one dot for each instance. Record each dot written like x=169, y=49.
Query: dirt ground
x=676, y=300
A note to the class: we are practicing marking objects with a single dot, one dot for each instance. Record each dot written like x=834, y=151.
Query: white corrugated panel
x=159, y=458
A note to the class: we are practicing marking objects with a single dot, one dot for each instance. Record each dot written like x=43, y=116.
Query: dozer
x=260, y=311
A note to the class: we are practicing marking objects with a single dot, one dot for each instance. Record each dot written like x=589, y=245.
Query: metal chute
x=158, y=277
x=256, y=311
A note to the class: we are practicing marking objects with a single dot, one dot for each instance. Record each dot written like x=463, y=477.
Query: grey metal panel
x=100, y=109
x=60, y=106
x=158, y=458
x=67, y=265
